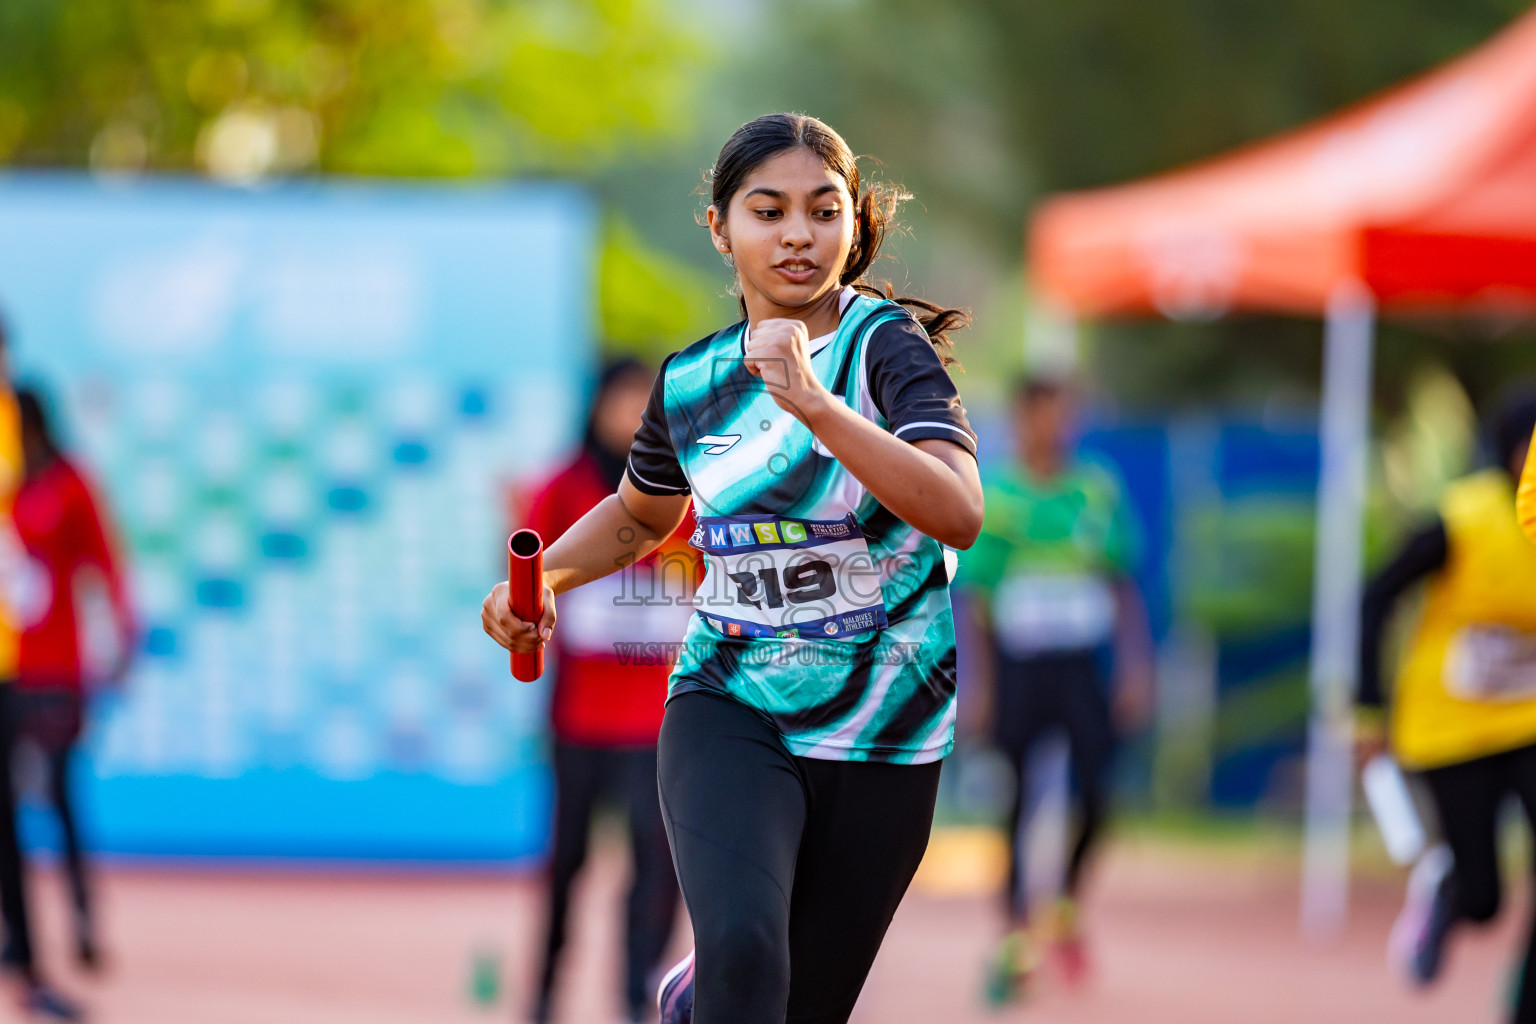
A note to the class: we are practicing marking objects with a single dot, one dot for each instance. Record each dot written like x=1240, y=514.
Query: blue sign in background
x=303, y=405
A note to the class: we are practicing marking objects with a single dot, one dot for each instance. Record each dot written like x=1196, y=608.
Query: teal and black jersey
x=837, y=684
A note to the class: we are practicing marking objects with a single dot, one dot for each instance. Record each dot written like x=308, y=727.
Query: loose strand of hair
x=876, y=217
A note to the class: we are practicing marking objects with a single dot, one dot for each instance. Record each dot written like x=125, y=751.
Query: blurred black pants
x=13, y=891
x=1467, y=799
x=584, y=776
x=52, y=719
x=1036, y=696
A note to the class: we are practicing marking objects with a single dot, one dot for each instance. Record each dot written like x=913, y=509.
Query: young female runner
x=829, y=461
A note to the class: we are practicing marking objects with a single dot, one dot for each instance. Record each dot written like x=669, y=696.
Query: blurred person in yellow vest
x=1463, y=708
x=35, y=996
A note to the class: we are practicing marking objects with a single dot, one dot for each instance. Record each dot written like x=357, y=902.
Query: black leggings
x=1036, y=696
x=13, y=889
x=583, y=776
x=791, y=867
x=52, y=719
x=1467, y=798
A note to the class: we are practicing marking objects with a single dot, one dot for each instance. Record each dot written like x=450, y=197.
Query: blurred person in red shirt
x=37, y=998
x=609, y=693
x=64, y=533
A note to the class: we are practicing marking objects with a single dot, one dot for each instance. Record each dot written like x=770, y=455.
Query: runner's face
x=789, y=229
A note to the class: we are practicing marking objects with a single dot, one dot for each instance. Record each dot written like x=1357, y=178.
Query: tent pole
x=1053, y=336
x=1344, y=437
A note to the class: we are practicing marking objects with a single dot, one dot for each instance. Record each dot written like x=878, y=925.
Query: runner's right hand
x=1370, y=737
x=511, y=632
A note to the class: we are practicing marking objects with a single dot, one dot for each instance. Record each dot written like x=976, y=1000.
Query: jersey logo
x=718, y=444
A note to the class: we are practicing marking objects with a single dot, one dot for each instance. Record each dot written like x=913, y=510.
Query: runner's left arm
x=1135, y=659
x=1135, y=650
x=1422, y=555
x=979, y=573
x=100, y=549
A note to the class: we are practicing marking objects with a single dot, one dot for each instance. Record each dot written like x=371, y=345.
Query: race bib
x=770, y=576
x=1492, y=664
x=1036, y=613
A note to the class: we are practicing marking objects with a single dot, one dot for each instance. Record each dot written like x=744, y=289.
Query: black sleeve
x=912, y=389
x=1425, y=553
x=653, y=467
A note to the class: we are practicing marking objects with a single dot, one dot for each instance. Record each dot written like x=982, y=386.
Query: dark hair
x=755, y=142
x=615, y=370
x=1032, y=387
x=1512, y=422
x=32, y=411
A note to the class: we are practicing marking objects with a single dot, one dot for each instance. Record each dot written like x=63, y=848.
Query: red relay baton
x=525, y=595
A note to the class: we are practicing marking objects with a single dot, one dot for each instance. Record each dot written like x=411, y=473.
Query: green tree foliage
x=651, y=303
x=246, y=90
x=408, y=87
x=986, y=105
x=982, y=107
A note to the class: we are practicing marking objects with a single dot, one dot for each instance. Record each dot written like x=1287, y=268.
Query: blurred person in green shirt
x=1052, y=593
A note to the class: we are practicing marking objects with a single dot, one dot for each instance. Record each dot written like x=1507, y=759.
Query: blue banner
x=303, y=405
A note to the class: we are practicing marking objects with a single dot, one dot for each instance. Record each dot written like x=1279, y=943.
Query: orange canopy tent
x=1426, y=195
x=1421, y=200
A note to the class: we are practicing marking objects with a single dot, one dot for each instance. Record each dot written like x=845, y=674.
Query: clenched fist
x=779, y=352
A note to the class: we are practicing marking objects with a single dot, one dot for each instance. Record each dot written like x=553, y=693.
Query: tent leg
x=1052, y=337
x=1344, y=439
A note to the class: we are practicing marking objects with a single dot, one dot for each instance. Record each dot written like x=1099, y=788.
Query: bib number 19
x=803, y=583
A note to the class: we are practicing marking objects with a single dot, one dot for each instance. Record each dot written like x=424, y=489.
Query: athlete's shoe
x=43, y=1003
x=674, y=999
x=1417, y=941
x=1066, y=946
x=1010, y=969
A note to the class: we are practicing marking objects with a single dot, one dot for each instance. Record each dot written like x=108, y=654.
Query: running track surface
x=1177, y=937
